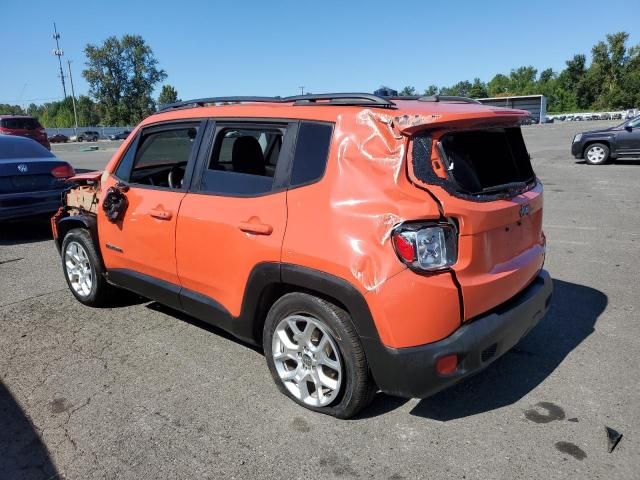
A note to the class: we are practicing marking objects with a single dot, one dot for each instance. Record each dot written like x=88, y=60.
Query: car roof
x=423, y=111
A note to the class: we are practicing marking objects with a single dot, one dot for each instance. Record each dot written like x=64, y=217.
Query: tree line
x=611, y=81
x=122, y=74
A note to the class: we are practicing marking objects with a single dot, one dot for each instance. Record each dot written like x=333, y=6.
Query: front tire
x=315, y=356
x=83, y=269
x=596, y=154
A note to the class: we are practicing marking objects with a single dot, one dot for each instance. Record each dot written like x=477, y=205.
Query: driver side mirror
x=628, y=128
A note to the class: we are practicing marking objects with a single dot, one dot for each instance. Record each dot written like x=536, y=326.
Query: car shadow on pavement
x=31, y=230
x=22, y=452
x=158, y=307
x=575, y=310
x=612, y=162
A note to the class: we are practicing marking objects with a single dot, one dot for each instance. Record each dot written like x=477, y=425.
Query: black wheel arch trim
x=83, y=220
x=267, y=282
x=608, y=140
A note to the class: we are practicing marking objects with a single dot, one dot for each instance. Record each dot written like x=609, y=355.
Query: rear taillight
x=63, y=171
x=426, y=246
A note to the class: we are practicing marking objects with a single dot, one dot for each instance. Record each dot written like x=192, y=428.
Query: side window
x=243, y=160
x=312, y=150
x=160, y=158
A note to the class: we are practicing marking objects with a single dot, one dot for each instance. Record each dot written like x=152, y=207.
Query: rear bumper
x=411, y=372
x=17, y=205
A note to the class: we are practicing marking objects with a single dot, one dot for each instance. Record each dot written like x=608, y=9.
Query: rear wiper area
x=507, y=188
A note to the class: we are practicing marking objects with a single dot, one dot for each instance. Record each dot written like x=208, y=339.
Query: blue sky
x=272, y=47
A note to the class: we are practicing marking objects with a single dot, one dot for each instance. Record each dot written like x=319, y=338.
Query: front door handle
x=160, y=214
x=255, y=226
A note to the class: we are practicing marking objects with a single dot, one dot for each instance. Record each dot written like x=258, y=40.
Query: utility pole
x=301, y=90
x=73, y=98
x=59, y=53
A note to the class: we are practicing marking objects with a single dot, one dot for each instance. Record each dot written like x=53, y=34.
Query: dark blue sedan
x=32, y=179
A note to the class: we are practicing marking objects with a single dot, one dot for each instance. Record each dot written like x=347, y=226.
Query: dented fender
x=369, y=194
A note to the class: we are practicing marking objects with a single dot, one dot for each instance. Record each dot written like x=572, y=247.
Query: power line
x=16, y=101
x=73, y=97
x=59, y=53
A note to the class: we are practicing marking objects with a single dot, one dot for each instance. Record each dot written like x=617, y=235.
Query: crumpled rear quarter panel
x=342, y=224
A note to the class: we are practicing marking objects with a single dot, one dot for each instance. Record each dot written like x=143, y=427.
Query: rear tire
x=596, y=154
x=315, y=356
x=83, y=269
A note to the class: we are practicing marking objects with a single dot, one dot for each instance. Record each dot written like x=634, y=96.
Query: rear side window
x=312, y=150
x=244, y=160
x=20, y=123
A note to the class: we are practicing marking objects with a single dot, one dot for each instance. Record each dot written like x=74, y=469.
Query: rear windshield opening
x=487, y=161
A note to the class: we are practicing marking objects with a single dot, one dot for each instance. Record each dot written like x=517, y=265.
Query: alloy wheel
x=596, y=154
x=78, y=268
x=307, y=360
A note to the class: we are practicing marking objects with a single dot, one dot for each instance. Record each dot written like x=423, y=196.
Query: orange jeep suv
x=367, y=243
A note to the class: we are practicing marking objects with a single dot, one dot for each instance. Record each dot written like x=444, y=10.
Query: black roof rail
x=435, y=98
x=201, y=102
x=343, y=99
x=447, y=98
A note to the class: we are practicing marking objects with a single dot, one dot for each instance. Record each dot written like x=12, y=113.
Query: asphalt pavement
x=141, y=391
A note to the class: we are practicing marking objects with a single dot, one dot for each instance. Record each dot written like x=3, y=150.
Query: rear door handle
x=256, y=227
x=160, y=214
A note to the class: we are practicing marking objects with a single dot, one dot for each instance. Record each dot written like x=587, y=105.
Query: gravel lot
x=141, y=391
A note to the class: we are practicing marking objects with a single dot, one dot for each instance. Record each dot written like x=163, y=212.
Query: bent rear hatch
x=483, y=178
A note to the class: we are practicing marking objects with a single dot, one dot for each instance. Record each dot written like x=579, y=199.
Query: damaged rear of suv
x=367, y=243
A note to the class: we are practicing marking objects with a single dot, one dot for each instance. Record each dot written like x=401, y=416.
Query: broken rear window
x=479, y=163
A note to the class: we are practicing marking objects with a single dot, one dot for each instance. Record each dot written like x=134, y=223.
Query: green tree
x=431, y=90
x=460, y=89
x=7, y=109
x=499, y=86
x=407, y=91
x=168, y=94
x=478, y=89
x=88, y=112
x=603, y=83
x=522, y=80
x=33, y=110
x=64, y=118
x=630, y=83
x=122, y=74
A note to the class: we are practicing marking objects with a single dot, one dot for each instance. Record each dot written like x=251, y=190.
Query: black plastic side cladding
x=84, y=220
x=266, y=281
